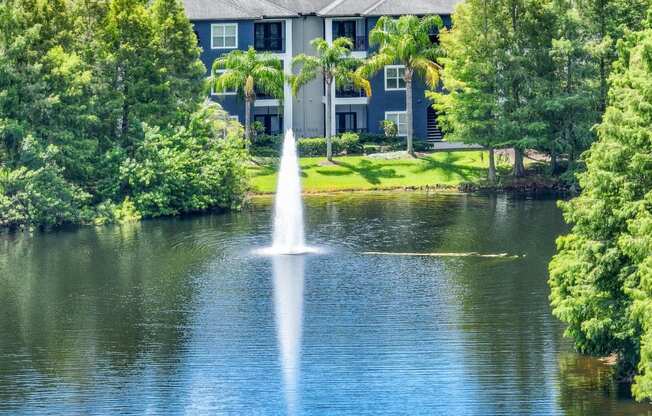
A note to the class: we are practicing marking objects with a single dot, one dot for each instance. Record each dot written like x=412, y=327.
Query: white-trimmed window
x=234, y=118
x=218, y=72
x=400, y=119
x=224, y=35
x=394, y=77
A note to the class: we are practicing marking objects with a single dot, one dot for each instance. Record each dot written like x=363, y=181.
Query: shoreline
x=516, y=187
x=524, y=187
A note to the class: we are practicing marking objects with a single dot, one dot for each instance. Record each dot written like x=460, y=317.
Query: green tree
x=570, y=100
x=90, y=89
x=601, y=280
x=607, y=21
x=182, y=72
x=249, y=72
x=131, y=69
x=336, y=67
x=44, y=85
x=468, y=105
x=406, y=41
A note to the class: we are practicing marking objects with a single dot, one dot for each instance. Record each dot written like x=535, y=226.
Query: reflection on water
x=177, y=316
x=288, y=306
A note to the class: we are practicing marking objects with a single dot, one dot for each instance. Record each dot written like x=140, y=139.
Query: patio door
x=346, y=122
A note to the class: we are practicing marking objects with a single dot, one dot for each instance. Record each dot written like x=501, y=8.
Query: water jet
x=289, y=235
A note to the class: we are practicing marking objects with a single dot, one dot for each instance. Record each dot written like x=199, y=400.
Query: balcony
x=260, y=95
x=349, y=92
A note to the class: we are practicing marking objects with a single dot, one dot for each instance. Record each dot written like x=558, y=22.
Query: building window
x=234, y=118
x=224, y=36
x=352, y=29
x=219, y=72
x=394, y=77
x=268, y=36
x=400, y=119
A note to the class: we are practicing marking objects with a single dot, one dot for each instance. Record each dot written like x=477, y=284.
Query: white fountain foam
x=288, y=205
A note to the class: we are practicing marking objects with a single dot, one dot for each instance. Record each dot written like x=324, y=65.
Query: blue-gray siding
x=380, y=102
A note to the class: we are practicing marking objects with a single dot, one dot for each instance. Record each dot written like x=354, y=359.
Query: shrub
x=373, y=138
x=187, y=169
x=390, y=128
x=347, y=143
x=313, y=147
x=268, y=140
x=39, y=195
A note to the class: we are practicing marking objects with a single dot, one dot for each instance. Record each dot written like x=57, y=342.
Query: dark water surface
x=179, y=317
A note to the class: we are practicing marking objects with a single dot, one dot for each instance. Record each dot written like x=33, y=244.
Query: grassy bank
x=365, y=173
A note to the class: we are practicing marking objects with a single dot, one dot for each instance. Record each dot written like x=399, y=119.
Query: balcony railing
x=269, y=44
x=264, y=96
x=349, y=92
x=359, y=42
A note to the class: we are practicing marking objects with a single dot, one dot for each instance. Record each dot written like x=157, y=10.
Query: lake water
x=180, y=316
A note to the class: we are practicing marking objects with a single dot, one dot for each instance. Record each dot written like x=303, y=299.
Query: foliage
x=389, y=128
x=38, y=194
x=469, y=106
x=375, y=138
x=347, y=143
x=249, y=73
x=530, y=74
x=405, y=41
x=83, y=83
x=601, y=276
x=188, y=169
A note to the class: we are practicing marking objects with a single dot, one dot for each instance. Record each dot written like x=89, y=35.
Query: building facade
x=285, y=28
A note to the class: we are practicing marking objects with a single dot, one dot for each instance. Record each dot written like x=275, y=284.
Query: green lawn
x=364, y=173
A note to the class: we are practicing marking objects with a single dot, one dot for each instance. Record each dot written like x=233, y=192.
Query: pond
x=181, y=316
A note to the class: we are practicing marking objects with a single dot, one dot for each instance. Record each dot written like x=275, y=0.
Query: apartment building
x=285, y=28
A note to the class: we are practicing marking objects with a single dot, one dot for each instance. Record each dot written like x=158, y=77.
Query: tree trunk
x=124, y=121
x=553, y=161
x=408, y=111
x=492, y=166
x=248, y=105
x=329, y=140
x=519, y=168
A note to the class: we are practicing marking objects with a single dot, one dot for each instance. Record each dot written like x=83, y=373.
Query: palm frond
x=308, y=70
x=428, y=69
x=374, y=64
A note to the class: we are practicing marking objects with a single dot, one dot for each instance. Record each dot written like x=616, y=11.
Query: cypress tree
x=601, y=277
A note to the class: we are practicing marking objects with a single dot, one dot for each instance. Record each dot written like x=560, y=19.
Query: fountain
x=288, y=206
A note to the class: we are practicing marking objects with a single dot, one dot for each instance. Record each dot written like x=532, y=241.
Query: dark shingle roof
x=234, y=9
x=257, y=9
x=302, y=6
x=418, y=7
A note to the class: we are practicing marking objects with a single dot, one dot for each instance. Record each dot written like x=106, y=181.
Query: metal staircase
x=434, y=133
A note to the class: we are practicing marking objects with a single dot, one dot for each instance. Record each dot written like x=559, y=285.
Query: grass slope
x=364, y=173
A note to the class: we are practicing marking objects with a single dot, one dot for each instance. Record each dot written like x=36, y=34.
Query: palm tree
x=334, y=64
x=406, y=41
x=249, y=72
